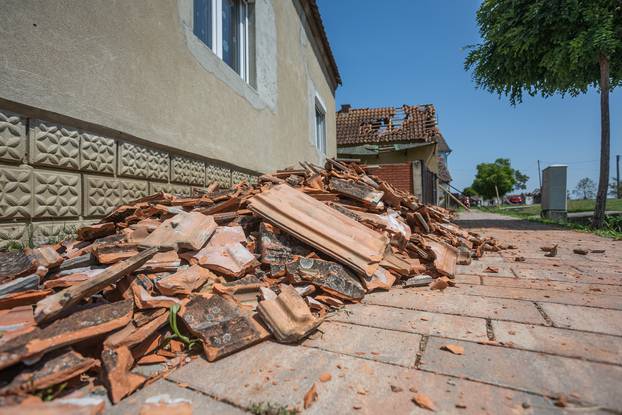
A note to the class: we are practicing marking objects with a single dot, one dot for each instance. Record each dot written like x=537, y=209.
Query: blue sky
x=398, y=52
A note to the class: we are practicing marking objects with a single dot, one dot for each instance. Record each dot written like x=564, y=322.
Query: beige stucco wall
x=129, y=66
x=105, y=101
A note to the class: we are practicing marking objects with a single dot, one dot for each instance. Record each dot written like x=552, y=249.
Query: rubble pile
x=165, y=278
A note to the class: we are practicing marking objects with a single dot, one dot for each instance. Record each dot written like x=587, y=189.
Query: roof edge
x=319, y=38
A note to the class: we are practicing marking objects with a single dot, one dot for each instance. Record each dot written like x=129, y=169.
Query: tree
x=614, y=189
x=493, y=178
x=552, y=46
x=586, y=188
x=468, y=191
x=521, y=180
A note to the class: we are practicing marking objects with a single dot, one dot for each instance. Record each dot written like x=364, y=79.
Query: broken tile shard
x=185, y=281
x=329, y=276
x=184, y=231
x=288, y=316
x=221, y=325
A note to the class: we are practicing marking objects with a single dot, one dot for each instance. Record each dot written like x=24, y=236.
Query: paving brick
x=387, y=346
x=596, y=320
x=553, y=285
x=567, y=276
x=592, y=300
x=450, y=302
x=421, y=322
x=201, y=404
x=271, y=372
x=594, y=383
x=564, y=342
x=467, y=279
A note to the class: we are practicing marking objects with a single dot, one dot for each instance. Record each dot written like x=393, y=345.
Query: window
x=320, y=127
x=223, y=25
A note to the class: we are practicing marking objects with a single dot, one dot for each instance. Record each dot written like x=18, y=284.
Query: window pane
x=320, y=130
x=202, y=26
x=230, y=33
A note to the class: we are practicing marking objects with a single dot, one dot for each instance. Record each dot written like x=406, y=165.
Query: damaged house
x=403, y=143
x=105, y=102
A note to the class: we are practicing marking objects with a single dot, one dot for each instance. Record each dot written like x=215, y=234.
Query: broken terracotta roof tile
x=51, y=371
x=185, y=281
x=15, y=322
x=288, y=316
x=29, y=282
x=111, y=253
x=249, y=283
x=53, y=305
x=446, y=257
x=76, y=327
x=120, y=381
x=184, y=231
x=322, y=227
x=89, y=405
x=142, y=298
x=15, y=264
x=222, y=326
x=165, y=405
x=329, y=276
x=21, y=298
x=233, y=260
x=162, y=262
x=89, y=233
x=382, y=279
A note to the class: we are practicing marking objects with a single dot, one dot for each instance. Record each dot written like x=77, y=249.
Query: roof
x=443, y=172
x=316, y=26
x=387, y=125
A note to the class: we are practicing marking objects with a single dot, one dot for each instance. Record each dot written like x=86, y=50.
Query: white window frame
x=320, y=141
x=216, y=23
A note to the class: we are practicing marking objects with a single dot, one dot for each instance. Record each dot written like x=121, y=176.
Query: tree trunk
x=603, y=181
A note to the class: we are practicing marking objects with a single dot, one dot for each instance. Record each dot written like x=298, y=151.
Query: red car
x=515, y=199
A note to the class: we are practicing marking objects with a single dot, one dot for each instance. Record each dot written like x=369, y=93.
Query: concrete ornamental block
x=186, y=170
x=52, y=232
x=102, y=195
x=54, y=145
x=133, y=189
x=14, y=232
x=176, y=189
x=12, y=136
x=16, y=192
x=133, y=160
x=139, y=161
x=238, y=176
x=159, y=165
x=97, y=154
x=56, y=194
x=218, y=174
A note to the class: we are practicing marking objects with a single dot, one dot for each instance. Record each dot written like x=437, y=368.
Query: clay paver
x=421, y=322
x=451, y=302
x=595, y=383
x=387, y=346
x=576, y=287
x=596, y=320
x=283, y=374
x=591, y=300
x=591, y=346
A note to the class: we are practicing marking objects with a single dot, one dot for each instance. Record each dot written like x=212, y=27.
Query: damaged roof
x=443, y=172
x=387, y=125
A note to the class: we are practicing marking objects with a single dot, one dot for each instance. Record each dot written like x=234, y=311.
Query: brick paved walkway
x=531, y=332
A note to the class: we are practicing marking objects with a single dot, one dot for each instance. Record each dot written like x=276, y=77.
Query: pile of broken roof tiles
x=166, y=278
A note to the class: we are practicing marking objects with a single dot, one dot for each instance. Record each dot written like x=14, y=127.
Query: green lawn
x=573, y=206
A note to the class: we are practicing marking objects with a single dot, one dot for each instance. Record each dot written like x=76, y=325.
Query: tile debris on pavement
x=164, y=278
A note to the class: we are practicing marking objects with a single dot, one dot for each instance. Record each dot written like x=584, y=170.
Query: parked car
x=515, y=199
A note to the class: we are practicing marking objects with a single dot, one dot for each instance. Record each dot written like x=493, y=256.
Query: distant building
x=404, y=143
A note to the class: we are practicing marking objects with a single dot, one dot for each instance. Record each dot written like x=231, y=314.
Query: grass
x=269, y=408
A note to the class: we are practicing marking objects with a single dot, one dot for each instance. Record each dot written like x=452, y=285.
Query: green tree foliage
x=499, y=174
x=468, y=191
x=586, y=189
x=521, y=180
x=544, y=47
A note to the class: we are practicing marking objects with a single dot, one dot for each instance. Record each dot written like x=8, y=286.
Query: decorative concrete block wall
x=55, y=177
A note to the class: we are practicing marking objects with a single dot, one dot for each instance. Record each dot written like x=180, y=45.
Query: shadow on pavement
x=511, y=224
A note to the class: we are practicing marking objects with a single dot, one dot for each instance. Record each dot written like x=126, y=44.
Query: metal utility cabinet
x=554, y=204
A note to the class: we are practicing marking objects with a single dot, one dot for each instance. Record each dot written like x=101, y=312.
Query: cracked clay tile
x=184, y=231
x=288, y=316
